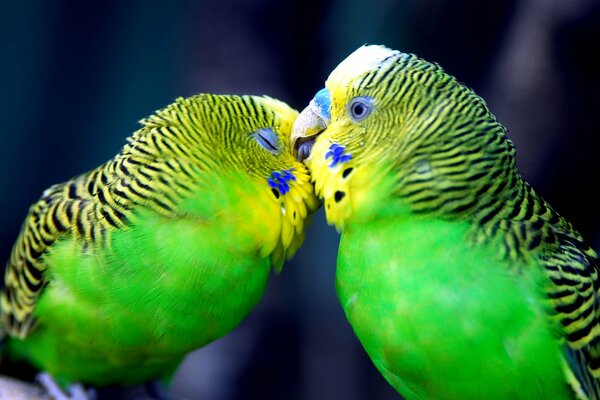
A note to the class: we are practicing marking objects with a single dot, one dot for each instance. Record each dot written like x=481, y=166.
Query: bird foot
x=75, y=391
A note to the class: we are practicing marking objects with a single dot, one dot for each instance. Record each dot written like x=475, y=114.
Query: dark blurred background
x=76, y=76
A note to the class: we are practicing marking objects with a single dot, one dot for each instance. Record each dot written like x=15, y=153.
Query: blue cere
x=280, y=180
x=336, y=153
x=323, y=102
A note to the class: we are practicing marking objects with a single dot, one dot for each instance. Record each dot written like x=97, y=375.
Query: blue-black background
x=76, y=76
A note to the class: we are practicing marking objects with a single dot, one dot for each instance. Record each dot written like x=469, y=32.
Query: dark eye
x=360, y=108
x=268, y=139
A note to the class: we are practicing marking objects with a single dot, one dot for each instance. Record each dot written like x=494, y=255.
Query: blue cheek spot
x=288, y=176
x=280, y=180
x=336, y=153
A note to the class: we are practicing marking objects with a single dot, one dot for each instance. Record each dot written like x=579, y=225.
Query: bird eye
x=268, y=139
x=360, y=108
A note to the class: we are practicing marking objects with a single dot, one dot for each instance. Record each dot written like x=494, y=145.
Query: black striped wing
x=50, y=218
x=87, y=209
x=574, y=272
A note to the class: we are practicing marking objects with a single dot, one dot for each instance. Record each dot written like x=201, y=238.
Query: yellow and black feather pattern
x=87, y=208
x=160, y=165
x=530, y=228
x=471, y=171
x=451, y=158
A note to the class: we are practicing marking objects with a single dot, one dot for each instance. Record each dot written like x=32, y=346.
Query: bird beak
x=310, y=123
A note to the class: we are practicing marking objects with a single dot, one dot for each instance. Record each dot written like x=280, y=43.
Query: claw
x=75, y=391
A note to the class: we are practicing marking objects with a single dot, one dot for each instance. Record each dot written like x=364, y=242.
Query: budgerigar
x=458, y=279
x=119, y=272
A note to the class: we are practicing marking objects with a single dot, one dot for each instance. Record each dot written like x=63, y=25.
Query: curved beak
x=310, y=123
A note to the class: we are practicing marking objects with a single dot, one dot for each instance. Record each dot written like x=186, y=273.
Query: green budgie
x=120, y=272
x=458, y=279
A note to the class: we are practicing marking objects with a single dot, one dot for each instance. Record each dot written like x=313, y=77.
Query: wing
x=51, y=218
x=532, y=228
x=574, y=272
x=573, y=288
x=87, y=209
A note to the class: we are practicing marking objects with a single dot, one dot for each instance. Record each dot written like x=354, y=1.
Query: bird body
x=120, y=272
x=166, y=288
x=459, y=280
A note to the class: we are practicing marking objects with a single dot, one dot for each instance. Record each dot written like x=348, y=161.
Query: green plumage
x=458, y=279
x=441, y=324
x=120, y=272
